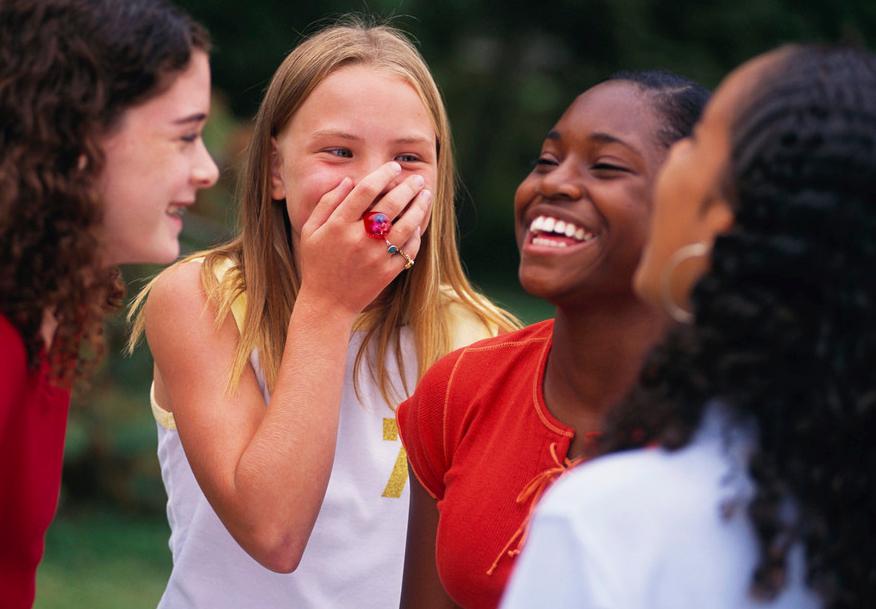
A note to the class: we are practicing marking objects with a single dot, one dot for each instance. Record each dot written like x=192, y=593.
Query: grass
x=103, y=560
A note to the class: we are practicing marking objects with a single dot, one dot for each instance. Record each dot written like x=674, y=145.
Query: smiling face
x=354, y=121
x=689, y=205
x=155, y=164
x=582, y=213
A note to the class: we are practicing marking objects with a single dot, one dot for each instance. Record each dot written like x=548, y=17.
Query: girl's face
x=353, y=122
x=581, y=215
x=689, y=204
x=155, y=164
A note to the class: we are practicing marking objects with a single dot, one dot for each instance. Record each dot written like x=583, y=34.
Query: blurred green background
x=507, y=71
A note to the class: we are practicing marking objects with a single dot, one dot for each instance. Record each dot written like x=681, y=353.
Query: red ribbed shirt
x=33, y=420
x=481, y=441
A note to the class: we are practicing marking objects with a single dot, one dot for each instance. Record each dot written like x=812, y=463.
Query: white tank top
x=355, y=554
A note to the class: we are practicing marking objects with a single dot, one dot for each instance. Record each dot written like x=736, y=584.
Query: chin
x=534, y=284
x=161, y=255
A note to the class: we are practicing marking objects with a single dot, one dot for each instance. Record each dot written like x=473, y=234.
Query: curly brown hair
x=68, y=71
x=784, y=331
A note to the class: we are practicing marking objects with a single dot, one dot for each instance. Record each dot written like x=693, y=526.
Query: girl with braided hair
x=103, y=104
x=763, y=402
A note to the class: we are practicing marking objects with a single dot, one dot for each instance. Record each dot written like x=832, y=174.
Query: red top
x=481, y=441
x=33, y=419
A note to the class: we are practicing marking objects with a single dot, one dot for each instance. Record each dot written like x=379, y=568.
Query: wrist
x=322, y=309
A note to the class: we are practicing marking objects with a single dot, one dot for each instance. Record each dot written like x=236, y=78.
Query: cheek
x=524, y=193
x=305, y=186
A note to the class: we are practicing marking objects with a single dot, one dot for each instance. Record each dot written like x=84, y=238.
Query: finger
x=412, y=219
x=400, y=197
x=408, y=252
x=367, y=191
x=327, y=204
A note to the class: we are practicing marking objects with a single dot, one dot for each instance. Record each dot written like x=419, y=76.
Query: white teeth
x=546, y=224
x=548, y=242
x=176, y=210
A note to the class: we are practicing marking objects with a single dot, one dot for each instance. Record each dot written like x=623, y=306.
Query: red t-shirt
x=478, y=434
x=33, y=419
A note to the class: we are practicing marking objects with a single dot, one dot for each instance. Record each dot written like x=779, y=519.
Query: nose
x=563, y=182
x=204, y=172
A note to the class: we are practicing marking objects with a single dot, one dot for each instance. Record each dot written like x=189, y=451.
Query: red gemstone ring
x=377, y=224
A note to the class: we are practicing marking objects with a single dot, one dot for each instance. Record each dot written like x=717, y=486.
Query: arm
x=265, y=470
x=421, y=587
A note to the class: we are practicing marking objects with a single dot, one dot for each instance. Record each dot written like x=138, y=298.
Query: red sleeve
x=13, y=372
x=422, y=425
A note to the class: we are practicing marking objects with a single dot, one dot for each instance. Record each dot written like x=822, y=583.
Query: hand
x=339, y=264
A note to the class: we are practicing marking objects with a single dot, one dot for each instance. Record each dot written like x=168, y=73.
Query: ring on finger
x=393, y=249
x=377, y=224
x=409, y=262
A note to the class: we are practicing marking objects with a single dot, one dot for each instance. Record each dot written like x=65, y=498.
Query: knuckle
x=367, y=188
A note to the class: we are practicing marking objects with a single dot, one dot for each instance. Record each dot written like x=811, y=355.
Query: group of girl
x=291, y=391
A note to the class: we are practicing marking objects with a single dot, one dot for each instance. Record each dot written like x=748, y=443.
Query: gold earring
x=692, y=250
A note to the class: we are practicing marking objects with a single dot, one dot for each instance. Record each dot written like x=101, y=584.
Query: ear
x=278, y=187
x=718, y=218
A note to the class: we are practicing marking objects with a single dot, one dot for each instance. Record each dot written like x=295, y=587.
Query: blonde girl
x=280, y=356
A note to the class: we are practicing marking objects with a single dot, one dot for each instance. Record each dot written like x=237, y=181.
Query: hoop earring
x=692, y=250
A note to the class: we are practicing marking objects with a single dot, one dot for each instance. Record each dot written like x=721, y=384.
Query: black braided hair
x=785, y=324
x=679, y=100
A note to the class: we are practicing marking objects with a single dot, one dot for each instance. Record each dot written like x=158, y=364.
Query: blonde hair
x=262, y=252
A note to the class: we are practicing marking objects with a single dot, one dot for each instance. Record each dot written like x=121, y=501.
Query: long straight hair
x=263, y=252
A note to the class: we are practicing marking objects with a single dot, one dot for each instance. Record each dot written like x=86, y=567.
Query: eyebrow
x=600, y=137
x=412, y=139
x=192, y=118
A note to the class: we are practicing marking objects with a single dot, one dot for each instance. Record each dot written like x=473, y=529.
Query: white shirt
x=644, y=529
x=354, y=556
x=355, y=553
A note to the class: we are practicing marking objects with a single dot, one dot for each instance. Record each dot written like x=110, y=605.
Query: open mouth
x=177, y=211
x=547, y=231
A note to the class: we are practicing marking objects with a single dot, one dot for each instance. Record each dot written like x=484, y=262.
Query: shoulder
x=649, y=488
x=492, y=356
x=177, y=286
x=10, y=338
x=13, y=355
x=533, y=337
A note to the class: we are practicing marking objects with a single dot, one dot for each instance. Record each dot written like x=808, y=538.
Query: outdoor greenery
x=507, y=71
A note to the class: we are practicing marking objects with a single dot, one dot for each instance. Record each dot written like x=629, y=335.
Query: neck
x=595, y=358
x=48, y=327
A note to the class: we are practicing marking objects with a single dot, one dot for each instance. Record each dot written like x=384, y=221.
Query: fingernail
x=426, y=194
x=345, y=182
x=396, y=168
x=418, y=181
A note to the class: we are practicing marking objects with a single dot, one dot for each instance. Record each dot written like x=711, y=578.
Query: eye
x=190, y=138
x=610, y=168
x=544, y=162
x=344, y=153
x=407, y=158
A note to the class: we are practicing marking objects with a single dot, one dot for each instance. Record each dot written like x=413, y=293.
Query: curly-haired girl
x=103, y=103
x=764, y=402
